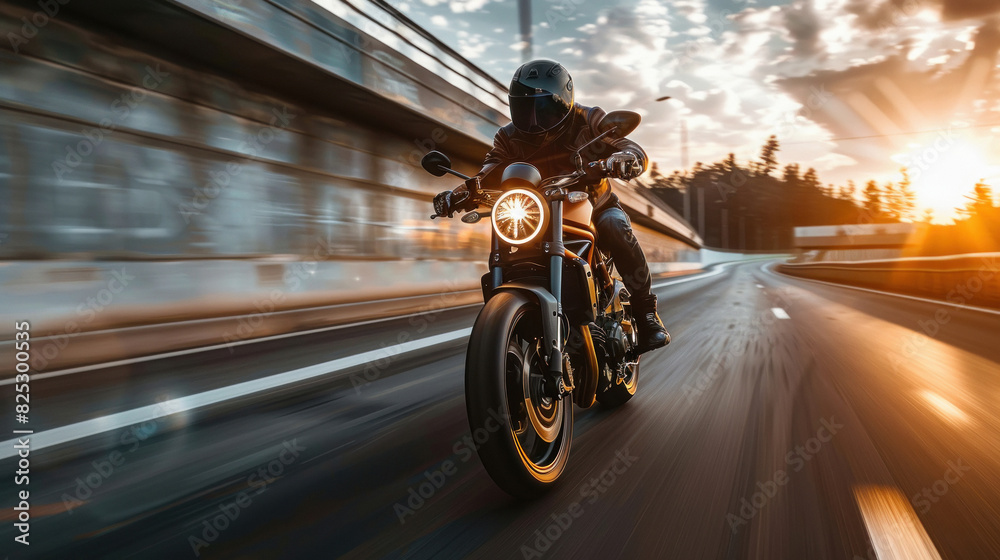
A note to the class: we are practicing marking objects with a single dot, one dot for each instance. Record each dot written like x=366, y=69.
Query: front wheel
x=522, y=436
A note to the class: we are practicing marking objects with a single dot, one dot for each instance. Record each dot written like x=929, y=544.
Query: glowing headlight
x=517, y=216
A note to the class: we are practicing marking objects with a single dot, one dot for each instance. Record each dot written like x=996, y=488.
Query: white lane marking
x=893, y=526
x=780, y=313
x=722, y=268
x=187, y=351
x=914, y=298
x=760, y=286
x=63, y=434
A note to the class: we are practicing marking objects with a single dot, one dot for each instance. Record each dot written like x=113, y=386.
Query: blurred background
x=224, y=155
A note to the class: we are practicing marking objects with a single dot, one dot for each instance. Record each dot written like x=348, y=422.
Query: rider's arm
x=496, y=158
x=447, y=202
x=617, y=145
x=626, y=145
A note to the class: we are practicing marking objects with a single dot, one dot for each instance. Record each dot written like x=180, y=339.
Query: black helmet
x=541, y=96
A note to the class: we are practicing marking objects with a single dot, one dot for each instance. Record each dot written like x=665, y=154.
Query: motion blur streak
x=154, y=412
x=893, y=525
x=738, y=397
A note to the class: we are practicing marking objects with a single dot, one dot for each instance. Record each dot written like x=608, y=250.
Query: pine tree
x=730, y=162
x=811, y=182
x=906, y=198
x=980, y=203
x=890, y=202
x=768, y=156
x=790, y=175
x=847, y=193
x=873, y=201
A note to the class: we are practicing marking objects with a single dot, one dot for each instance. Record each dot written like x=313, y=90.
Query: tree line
x=756, y=205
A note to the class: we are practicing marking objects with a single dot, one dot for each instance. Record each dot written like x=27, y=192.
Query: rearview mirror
x=622, y=122
x=435, y=163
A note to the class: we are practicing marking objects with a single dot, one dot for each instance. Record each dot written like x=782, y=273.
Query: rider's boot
x=651, y=333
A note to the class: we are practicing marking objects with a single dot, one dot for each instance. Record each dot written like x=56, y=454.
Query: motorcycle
x=556, y=328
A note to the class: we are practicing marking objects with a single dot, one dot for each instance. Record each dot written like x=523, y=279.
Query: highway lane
x=859, y=421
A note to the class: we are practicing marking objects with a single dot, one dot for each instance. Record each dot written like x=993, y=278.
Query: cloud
x=740, y=70
x=461, y=6
x=889, y=99
x=803, y=27
x=963, y=9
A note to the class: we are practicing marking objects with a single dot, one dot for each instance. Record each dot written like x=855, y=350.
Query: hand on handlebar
x=622, y=165
x=449, y=202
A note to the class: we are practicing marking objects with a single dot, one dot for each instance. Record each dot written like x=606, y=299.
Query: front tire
x=522, y=437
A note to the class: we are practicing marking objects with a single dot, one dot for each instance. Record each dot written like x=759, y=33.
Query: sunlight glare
x=943, y=177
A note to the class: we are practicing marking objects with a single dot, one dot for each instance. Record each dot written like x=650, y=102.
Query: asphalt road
x=788, y=419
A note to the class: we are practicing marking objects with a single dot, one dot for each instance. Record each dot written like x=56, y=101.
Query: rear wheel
x=522, y=436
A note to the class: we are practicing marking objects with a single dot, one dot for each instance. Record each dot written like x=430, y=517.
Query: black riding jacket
x=553, y=156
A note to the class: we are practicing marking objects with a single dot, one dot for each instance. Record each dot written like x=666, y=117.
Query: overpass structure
x=169, y=161
x=858, y=242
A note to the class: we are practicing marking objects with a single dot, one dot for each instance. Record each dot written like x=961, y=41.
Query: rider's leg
x=614, y=233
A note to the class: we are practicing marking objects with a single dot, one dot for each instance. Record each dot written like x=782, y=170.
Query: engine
x=609, y=342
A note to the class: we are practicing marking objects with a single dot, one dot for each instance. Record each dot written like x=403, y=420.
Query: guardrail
x=972, y=279
x=103, y=329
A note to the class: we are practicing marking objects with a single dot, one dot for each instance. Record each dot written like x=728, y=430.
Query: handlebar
x=593, y=171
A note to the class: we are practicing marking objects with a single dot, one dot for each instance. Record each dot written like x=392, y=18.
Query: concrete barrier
x=972, y=279
x=716, y=256
x=104, y=312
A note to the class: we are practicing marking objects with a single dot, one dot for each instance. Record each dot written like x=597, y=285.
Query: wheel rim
x=536, y=421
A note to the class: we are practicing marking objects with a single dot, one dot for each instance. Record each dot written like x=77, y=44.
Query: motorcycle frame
x=549, y=298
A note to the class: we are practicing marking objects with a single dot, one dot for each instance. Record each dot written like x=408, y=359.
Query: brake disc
x=545, y=413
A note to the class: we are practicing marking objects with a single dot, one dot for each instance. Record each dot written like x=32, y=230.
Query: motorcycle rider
x=546, y=128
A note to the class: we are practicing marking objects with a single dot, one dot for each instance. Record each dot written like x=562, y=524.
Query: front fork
x=559, y=381
x=556, y=251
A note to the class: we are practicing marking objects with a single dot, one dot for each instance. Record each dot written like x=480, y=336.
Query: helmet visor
x=537, y=113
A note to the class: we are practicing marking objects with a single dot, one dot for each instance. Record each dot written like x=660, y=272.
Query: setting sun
x=943, y=172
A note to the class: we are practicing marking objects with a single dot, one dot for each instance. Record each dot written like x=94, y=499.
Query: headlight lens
x=518, y=216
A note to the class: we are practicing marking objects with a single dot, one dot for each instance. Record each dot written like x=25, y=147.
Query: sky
x=844, y=84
